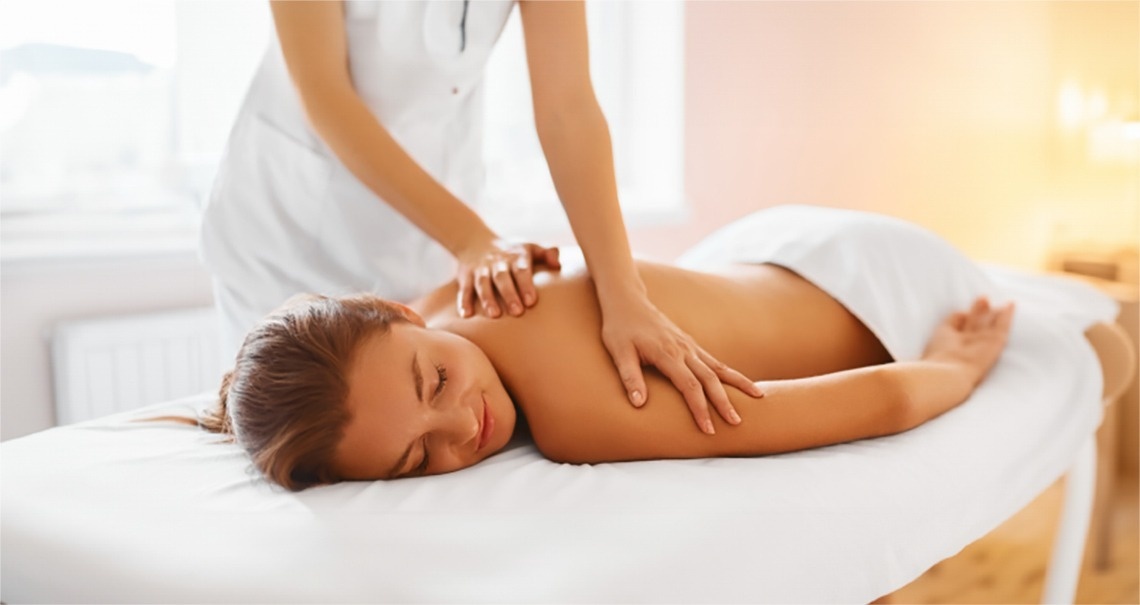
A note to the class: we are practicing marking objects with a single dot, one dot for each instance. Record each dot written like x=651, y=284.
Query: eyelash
x=442, y=373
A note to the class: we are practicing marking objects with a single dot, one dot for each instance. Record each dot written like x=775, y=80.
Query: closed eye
x=421, y=468
x=441, y=372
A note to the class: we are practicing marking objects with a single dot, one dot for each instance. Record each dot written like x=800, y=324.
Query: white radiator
x=113, y=364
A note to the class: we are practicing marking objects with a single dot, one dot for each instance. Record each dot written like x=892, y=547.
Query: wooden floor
x=1008, y=565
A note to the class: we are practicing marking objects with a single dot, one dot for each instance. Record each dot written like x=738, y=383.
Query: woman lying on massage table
x=358, y=388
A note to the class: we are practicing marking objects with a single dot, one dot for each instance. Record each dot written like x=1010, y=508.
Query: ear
x=409, y=314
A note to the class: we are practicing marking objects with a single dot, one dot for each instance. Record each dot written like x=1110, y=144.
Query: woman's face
x=421, y=402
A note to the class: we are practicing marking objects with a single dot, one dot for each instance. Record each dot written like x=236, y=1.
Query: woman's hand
x=503, y=267
x=973, y=339
x=635, y=332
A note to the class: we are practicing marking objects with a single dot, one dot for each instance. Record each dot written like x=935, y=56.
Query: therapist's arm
x=314, y=44
x=576, y=142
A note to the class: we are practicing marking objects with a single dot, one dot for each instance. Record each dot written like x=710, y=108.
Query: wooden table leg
x=1100, y=527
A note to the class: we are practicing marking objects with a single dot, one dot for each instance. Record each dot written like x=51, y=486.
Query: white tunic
x=285, y=215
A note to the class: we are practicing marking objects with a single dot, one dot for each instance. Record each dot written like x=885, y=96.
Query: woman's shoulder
x=440, y=303
x=573, y=280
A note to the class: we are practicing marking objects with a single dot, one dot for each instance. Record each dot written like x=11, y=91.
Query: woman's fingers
x=463, y=305
x=729, y=375
x=524, y=279
x=499, y=275
x=713, y=389
x=486, y=291
x=978, y=315
x=983, y=316
x=636, y=333
x=505, y=284
x=1004, y=319
x=504, y=277
x=543, y=255
x=629, y=369
x=552, y=260
x=692, y=389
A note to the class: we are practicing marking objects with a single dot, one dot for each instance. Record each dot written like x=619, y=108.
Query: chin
x=506, y=416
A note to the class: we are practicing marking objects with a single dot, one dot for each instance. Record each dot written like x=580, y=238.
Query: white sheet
x=115, y=510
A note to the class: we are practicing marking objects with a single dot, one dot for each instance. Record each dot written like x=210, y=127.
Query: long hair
x=284, y=400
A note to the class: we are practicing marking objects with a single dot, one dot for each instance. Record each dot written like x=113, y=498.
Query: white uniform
x=285, y=215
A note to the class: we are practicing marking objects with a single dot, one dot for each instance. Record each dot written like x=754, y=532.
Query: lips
x=487, y=425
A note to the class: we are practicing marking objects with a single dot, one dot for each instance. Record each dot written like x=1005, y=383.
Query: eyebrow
x=418, y=377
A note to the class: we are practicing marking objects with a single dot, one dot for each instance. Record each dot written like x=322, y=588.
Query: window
x=113, y=118
x=114, y=114
x=86, y=106
x=636, y=64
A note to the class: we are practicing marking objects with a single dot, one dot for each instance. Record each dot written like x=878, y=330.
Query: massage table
x=118, y=510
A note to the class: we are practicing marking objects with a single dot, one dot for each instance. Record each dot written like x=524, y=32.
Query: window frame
x=640, y=87
x=646, y=73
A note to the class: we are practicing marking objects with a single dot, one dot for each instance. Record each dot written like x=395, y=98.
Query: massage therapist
x=358, y=144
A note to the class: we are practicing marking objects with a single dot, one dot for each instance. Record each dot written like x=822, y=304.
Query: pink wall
x=945, y=114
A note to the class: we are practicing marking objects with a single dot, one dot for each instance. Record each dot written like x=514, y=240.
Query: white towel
x=899, y=279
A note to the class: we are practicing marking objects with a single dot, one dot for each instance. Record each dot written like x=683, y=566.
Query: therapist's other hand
x=505, y=268
x=635, y=332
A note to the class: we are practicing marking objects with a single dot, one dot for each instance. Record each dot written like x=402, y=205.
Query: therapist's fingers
x=714, y=390
x=692, y=389
x=486, y=291
x=729, y=375
x=524, y=279
x=465, y=294
x=541, y=255
x=552, y=261
x=505, y=284
x=628, y=365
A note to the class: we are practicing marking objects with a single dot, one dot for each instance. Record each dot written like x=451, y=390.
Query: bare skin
x=826, y=377
x=575, y=140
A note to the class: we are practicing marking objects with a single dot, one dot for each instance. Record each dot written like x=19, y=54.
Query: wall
x=87, y=281
x=945, y=114
x=35, y=295
x=970, y=118
x=942, y=113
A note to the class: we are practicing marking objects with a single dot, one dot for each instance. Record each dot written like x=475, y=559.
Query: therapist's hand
x=635, y=332
x=504, y=268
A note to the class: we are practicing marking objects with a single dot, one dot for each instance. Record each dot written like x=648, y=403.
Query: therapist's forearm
x=576, y=142
x=370, y=152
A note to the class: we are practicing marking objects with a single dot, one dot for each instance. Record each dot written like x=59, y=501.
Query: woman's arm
x=794, y=414
x=313, y=41
x=576, y=141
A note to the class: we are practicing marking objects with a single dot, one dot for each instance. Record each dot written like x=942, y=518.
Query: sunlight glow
x=143, y=28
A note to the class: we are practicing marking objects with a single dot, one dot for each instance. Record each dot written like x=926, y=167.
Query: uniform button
x=454, y=90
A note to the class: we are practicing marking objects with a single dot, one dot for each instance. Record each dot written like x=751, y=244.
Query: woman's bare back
x=763, y=320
